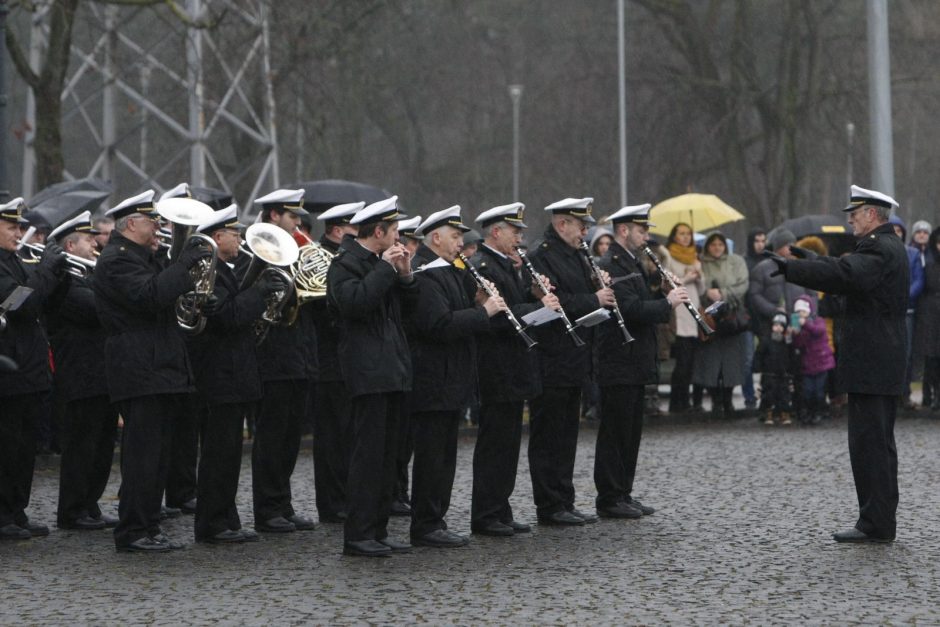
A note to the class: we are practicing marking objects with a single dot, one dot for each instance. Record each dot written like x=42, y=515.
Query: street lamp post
x=515, y=92
x=850, y=140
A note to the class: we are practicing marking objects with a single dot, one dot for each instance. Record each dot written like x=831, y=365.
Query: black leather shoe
x=366, y=548
x=440, y=539
x=174, y=546
x=278, y=524
x=395, y=545
x=619, y=510
x=519, y=527
x=494, y=528
x=588, y=518
x=226, y=537
x=189, y=507
x=858, y=537
x=399, y=508
x=110, y=522
x=337, y=518
x=562, y=519
x=301, y=523
x=170, y=512
x=85, y=523
x=145, y=545
x=35, y=529
x=14, y=532
x=249, y=535
x=645, y=509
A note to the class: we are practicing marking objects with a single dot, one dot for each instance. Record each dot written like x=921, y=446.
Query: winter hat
x=802, y=305
x=780, y=238
x=780, y=319
x=921, y=225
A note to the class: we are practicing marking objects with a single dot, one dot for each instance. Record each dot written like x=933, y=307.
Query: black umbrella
x=66, y=187
x=322, y=195
x=57, y=209
x=215, y=198
x=816, y=224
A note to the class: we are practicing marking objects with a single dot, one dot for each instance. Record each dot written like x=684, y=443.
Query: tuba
x=186, y=214
x=271, y=248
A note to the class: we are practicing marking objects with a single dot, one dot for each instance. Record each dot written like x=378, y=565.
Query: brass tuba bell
x=271, y=249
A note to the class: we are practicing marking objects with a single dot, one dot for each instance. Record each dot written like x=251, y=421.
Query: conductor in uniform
x=21, y=392
x=508, y=375
x=874, y=279
x=147, y=365
x=564, y=367
x=623, y=370
x=366, y=283
x=78, y=339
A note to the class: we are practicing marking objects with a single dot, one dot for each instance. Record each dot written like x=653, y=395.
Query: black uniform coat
x=327, y=331
x=875, y=280
x=289, y=351
x=78, y=340
x=365, y=295
x=635, y=363
x=446, y=320
x=24, y=339
x=561, y=363
x=223, y=355
x=145, y=352
x=507, y=369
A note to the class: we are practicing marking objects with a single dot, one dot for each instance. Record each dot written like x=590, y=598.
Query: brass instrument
x=596, y=271
x=186, y=214
x=310, y=269
x=542, y=286
x=696, y=315
x=271, y=248
x=529, y=342
x=78, y=266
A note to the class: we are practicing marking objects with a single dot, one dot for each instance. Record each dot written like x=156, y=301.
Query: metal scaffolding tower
x=154, y=98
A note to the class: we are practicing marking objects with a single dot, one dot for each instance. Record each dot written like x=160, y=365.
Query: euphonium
x=186, y=214
x=271, y=248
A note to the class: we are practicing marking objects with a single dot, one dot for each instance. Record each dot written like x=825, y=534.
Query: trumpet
x=186, y=214
x=596, y=271
x=271, y=249
x=542, y=286
x=699, y=320
x=529, y=342
x=78, y=266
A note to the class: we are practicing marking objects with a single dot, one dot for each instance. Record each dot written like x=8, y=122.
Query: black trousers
x=87, y=453
x=406, y=446
x=19, y=425
x=220, y=462
x=145, y=460
x=684, y=351
x=618, y=443
x=370, y=485
x=184, y=453
x=330, y=446
x=553, y=444
x=495, y=462
x=432, y=477
x=276, y=445
x=874, y=462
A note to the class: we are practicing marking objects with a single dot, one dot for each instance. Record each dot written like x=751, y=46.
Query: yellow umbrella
x=700, y=211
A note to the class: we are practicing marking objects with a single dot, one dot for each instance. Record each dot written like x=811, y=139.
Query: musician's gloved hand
x=802, y=253
x=210, y=306
x=779, y=260
x=272, y=282
x=192, y=255
x=53, y=258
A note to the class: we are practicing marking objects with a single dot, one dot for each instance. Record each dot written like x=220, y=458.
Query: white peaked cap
x=180, y=191
x=338, y=212
x=383, y=210
x=444, y=217
x=80, y=222
x=132, y=205
x=632, y=213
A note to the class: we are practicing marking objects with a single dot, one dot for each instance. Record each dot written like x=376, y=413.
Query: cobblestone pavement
x=742, y=534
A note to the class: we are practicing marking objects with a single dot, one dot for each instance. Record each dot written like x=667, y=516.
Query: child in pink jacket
x=816, y=358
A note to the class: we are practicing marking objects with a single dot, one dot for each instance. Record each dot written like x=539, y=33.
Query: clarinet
x=538, y=279
x=699, y=320
x=529, y=342
x=627, y=338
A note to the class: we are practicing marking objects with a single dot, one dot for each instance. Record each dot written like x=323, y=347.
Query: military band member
x=508, y=376
x=623, y=370
x=227, y=382
x=147, y=365
x=406, y=233
x=564, y=367
x=366, y=283
x=287, y=359
x=449, y=313
x=329, y=395
x=77, y=340
x=22, y=391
